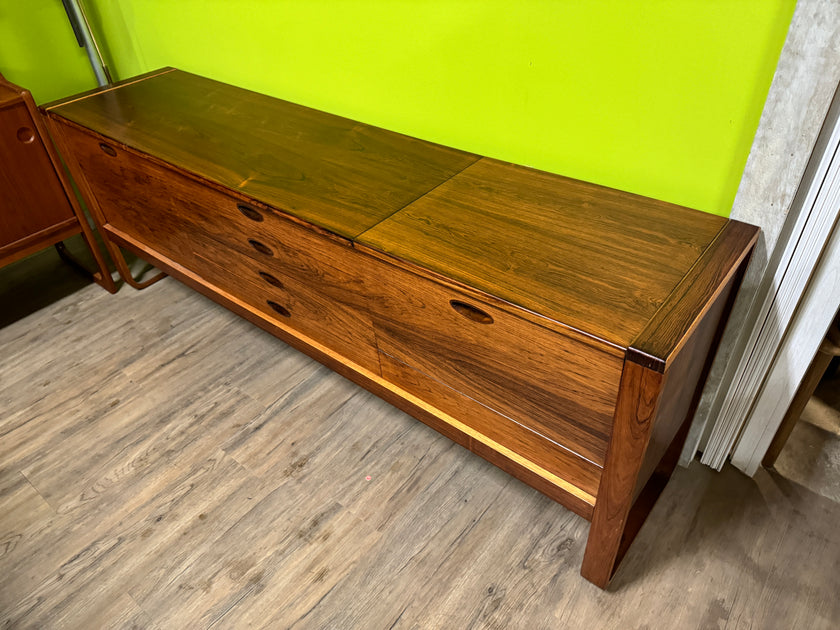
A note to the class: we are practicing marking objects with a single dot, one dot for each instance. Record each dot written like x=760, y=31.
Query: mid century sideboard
x=38, y=207
x=559, y=329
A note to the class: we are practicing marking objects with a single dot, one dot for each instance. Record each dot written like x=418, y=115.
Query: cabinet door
x=31, y=197
x=557, y=386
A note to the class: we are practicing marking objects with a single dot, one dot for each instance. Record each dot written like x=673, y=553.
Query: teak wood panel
x=557, y=387
x=32, y=200
x=337, y=173
x=596, y=259
x=133, y=181
x=38, y=204
x=652, y=419
x=151, y=203
x=683, y=385
x=635, y=413
x=555, y=458
x=570, y=404
x=553, y=385
x=673, y=324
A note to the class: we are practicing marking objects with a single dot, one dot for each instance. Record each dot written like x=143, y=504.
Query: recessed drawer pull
x=108, y=149
x=278, y=308
x=471, y=312
x=26, y=135
x=271, y=279
x=260, y=247
x=251, y=213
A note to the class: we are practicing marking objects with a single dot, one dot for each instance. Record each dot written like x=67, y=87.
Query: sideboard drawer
x=155, y=205
x=562, y=388
x=228, y=243
x=158, y=206
x=559, y=387
x=303, y=307
x=584, y=475
x=126, y=182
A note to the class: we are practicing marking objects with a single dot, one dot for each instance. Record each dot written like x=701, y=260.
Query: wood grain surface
x=305, y=306
x=32, y=200
x=211, y=234
x=508, y=455
x=593, y=258
x=635, y=414
x=180, y=468
x=38, y=204
x=672, y=324
x=554, y=385
x=684, y=382
x=550, y=455
x=334, y=172
x=550, y=384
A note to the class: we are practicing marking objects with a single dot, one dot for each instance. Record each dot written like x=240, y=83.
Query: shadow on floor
x=35, y=282
x=42, y=279
x=811, y=456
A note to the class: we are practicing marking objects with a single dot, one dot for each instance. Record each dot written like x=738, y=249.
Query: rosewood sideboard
x=559, y=329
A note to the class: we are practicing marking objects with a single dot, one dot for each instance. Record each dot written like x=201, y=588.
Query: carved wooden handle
x=251, y=213
x=471, y=312
x=271, y=279
x=260, y=247
x=108, y=149
x=279, y=309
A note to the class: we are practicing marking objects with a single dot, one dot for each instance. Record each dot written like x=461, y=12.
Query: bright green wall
x=39, y=51
x=660, y=97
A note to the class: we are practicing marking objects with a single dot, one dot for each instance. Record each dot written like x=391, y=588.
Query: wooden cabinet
x=37, y=206
x=559, y=329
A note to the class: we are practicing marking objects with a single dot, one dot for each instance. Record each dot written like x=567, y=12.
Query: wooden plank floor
x=164, y=464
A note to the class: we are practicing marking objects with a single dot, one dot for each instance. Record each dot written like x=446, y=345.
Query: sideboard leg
x=102, y=276
x=613, y=525
x=72, y=261
x=651, y=422
x=71, y=167
x=124, y=271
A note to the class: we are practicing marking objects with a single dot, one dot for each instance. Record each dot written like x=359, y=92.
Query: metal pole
x=81, y=28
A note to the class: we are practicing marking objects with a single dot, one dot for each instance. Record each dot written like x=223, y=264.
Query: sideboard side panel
x=638, y=401
x=652, y=417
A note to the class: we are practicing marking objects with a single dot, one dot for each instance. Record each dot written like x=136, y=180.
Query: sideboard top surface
x=594, y=258
x=599, y=260
x=337, y=173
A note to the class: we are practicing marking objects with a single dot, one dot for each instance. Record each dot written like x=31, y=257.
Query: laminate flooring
x=165, y=464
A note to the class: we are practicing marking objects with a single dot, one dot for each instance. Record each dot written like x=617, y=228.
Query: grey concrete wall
x=806, y=78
